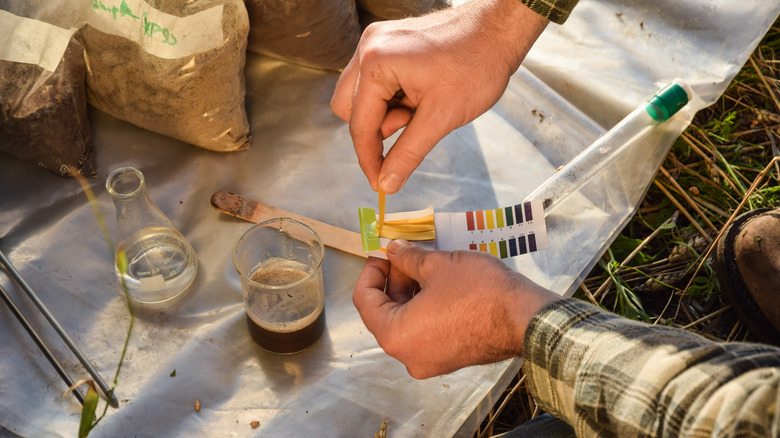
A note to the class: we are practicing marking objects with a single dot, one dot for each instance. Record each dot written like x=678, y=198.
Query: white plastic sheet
x=302, y=160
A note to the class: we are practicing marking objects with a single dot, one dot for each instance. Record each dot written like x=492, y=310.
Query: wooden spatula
x=253, y=211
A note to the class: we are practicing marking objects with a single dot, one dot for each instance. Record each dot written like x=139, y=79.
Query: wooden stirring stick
x=253, y=211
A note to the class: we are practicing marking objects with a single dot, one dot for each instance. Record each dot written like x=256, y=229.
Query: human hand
x=447, y=68
x=438, y=311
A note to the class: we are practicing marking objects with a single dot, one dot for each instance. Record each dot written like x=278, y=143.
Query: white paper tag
x=31, y=41
x=158, y=33
x=153, y=283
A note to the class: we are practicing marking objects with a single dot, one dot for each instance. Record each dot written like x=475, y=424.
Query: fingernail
x=391, y=182
x=397, y=245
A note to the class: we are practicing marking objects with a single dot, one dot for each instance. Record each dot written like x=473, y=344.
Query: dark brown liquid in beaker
x=290, y=319
x=289, y=341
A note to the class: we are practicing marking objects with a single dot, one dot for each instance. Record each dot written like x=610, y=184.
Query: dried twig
x=682, y=209
x=763, y=79
x=489, y=426
x=694, y=144
x=707, y=317
x=685, y=196
x=608, y=281
x=759, y=179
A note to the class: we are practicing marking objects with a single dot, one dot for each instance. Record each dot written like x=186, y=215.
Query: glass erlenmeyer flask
x=161, y=262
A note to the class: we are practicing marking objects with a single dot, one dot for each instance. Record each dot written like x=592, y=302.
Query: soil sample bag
x=175, y=67
x=396, y=9
x=314, y=33
x=43, y=107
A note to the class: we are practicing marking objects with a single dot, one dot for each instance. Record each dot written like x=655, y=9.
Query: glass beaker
x=280, y=264
x=161, y=263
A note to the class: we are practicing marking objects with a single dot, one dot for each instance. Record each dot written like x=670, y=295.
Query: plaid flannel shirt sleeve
x=556, y=11
x=609, y=376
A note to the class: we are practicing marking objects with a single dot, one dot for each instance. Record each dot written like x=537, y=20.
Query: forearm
x=503, y=30
x=607, y=375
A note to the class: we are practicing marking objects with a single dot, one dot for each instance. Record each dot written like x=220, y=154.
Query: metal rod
x=112, y=400
x=39, y=342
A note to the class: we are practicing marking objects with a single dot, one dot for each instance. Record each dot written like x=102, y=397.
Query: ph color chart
x=503, y=232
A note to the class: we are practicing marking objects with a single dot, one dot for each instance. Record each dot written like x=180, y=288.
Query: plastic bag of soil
x=43, y=107
x=396, y=9
x=175, y=67
x=314, y=33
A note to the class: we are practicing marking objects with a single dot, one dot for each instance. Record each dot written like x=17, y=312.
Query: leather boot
x=748, y=268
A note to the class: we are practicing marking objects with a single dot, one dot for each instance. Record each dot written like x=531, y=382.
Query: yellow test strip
x=406, y=227
x=411, y=236
x=381, y=222
x=427, y=219
x=417, y=228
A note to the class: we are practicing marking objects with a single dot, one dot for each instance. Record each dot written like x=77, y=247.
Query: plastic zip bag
x=314, y=33
x=172, y=67
x=43, y=108
x=397, y=9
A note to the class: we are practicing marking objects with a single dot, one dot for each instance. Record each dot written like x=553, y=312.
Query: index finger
x=368, y=143
x=370, y=100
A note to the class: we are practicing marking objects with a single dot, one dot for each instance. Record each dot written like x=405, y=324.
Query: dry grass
x=659, y=268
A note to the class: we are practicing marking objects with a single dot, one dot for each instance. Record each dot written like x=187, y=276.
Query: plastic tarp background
x=599, y=66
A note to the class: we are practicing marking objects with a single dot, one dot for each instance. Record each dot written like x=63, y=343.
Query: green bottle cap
x=666, y=102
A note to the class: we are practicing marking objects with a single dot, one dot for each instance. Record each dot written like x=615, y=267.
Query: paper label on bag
x=31, y=41
x=158, y=33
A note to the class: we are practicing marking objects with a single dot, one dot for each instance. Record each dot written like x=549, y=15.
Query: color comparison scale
x=502, y=232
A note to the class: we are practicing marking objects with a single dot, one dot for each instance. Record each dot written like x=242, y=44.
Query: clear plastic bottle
x=629, y=131
x=161, y=263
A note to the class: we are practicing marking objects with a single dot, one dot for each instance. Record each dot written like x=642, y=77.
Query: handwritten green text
x=124, y=12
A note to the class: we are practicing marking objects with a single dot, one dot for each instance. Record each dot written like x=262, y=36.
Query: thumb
x=407, y=258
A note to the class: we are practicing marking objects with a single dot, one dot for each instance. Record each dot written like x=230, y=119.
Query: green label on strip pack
x=369, y=234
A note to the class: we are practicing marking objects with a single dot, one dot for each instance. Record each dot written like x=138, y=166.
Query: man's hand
x=432, y=74
x=438, y=311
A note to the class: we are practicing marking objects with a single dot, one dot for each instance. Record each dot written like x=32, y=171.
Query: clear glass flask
x=161, y=263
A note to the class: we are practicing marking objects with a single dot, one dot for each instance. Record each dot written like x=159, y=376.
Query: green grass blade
x=88, y=410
